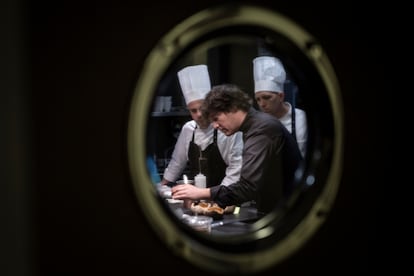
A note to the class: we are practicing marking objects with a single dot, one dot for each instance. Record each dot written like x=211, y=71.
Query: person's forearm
x=204, y=193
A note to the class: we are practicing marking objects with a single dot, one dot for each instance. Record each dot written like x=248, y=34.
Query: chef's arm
x=232, y=155
x=188, y=191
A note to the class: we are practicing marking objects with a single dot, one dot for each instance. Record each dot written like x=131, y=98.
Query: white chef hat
x=269, y=74
x=194, y=82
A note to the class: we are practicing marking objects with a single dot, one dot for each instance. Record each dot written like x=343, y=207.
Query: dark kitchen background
x=68, y=71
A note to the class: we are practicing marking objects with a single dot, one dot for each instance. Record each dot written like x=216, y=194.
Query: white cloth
x=230, y=147
x=301, y=126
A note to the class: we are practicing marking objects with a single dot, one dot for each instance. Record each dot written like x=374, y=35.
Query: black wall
x=69, y=207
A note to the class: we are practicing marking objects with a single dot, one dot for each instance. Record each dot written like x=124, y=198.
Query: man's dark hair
x=225, y=98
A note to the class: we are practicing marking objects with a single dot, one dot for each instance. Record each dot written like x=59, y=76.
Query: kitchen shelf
x=170, y=114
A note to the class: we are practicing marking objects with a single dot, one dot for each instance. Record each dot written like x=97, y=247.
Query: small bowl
x=199, y=223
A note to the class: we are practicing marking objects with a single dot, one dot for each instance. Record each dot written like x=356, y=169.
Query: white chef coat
x=231, y=148
x=301, y=126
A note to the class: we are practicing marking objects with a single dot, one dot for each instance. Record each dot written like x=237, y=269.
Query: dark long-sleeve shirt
x=270, y=158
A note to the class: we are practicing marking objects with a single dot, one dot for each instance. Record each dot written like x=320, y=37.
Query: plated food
x=209, y=208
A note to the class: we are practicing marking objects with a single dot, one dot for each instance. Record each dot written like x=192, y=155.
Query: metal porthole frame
x=195, y=250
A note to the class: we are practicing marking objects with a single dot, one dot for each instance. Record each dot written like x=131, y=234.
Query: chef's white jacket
x=230, y=147
x=301, y=127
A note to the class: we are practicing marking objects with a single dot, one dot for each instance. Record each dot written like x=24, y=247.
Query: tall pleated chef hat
x=194, y=82
x=269, y=74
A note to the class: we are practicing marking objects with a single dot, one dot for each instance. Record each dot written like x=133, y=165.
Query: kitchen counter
x=230, y=224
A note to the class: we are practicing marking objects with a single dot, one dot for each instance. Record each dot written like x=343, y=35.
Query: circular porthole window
x=228, y=39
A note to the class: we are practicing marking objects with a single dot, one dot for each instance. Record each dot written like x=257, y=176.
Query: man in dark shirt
x=270, y=154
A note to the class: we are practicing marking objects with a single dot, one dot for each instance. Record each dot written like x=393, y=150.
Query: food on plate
x=207, y=208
